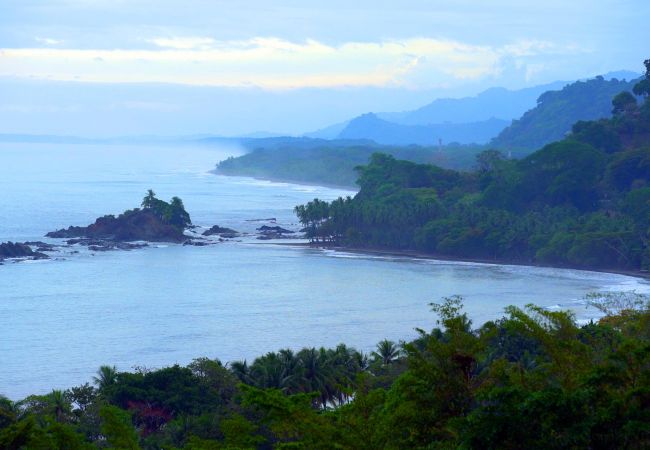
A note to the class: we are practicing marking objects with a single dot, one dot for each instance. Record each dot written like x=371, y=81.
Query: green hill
x=557, y=111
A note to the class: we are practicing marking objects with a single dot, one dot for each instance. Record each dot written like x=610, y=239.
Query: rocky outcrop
x=223, y=232
x=276, y=232
x=133, y=225
x=18, y=250
x=197, y=243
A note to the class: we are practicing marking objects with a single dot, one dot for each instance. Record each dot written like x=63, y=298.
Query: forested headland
x=580, y=202
x=532, y=379
x=332, y=163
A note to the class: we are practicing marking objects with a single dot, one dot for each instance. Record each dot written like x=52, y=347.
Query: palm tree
x=59, y=404
x=106, y=376
x=8, y=411
x=241, y=370
x=148, y=200
x=386, y=352
x=270, y=371
x=318, y=374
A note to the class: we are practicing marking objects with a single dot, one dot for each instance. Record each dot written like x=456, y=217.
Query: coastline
x=433, y=257
x=288, y=181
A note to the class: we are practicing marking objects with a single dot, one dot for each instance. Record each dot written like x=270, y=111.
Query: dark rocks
x=270, y=219
x=276, y=232
x=41, y=246
x=197, y=243
x=18, y=250
x=133, y=225
x=276, y=229
x=99, y=248
x=67, y=233
x=223, y=232
x=103, y=246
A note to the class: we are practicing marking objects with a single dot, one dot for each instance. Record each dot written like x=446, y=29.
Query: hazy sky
x=317, y=61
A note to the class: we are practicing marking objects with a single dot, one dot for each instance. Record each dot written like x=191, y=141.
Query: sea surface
x=61, y=319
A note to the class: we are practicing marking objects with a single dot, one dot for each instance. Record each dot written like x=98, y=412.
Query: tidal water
x=61, y=319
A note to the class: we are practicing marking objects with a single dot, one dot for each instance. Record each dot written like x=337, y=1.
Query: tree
x=106, y=377
x=149, y=200
x=623, y=103
x=117, y=428
x=8, y=412
x=386, y=352
x=642, y=88
x=59, y=404
x=176, y=214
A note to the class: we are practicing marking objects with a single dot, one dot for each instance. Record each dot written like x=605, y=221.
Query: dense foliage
x=557, y=111
x=532, y=379
x=581, y=202
x=172, y=213
x=333, y=164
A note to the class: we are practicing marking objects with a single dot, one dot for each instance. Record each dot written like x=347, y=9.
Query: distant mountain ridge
x=497, y=102
x=476, y=119
x=371, y=126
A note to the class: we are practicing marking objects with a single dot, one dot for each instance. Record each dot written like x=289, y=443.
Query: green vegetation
x=580, y=202
x=557, y=111
x=532, y=379
x=334, y=163
x=172, y=213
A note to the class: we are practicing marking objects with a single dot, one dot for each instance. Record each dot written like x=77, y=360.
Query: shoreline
x=433, y=257
x=288, y=181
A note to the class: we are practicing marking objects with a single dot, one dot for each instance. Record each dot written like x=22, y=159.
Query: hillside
x=557, y=111
x=370, y=126
x=333, y=163
x=580, y=202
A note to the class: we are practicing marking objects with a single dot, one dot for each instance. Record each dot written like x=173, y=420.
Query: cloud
x=273, y=63
x=183, y=43
x=48, y=41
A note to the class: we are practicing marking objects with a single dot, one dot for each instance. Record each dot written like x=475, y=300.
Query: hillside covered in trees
x=532, y=379
x=557, y=111
x=580, y=202
x=333, y=163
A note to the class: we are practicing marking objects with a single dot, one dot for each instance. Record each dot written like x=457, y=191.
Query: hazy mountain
x=496, y=102
x=330, y=132
x=558, y=110
x=487, y=112
x=371, y=126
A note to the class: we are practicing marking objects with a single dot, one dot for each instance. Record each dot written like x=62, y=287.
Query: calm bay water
x=61, y=319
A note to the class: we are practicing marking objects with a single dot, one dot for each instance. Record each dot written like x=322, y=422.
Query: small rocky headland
x=156, y=221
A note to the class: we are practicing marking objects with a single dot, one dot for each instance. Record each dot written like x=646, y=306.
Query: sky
x=118, y=67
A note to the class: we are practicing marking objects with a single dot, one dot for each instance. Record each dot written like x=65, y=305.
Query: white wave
x=629, y=284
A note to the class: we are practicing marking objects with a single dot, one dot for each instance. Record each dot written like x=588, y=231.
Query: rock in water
x=276, y=229
x=221, y=231
x=133, y=225
x=17, y=250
